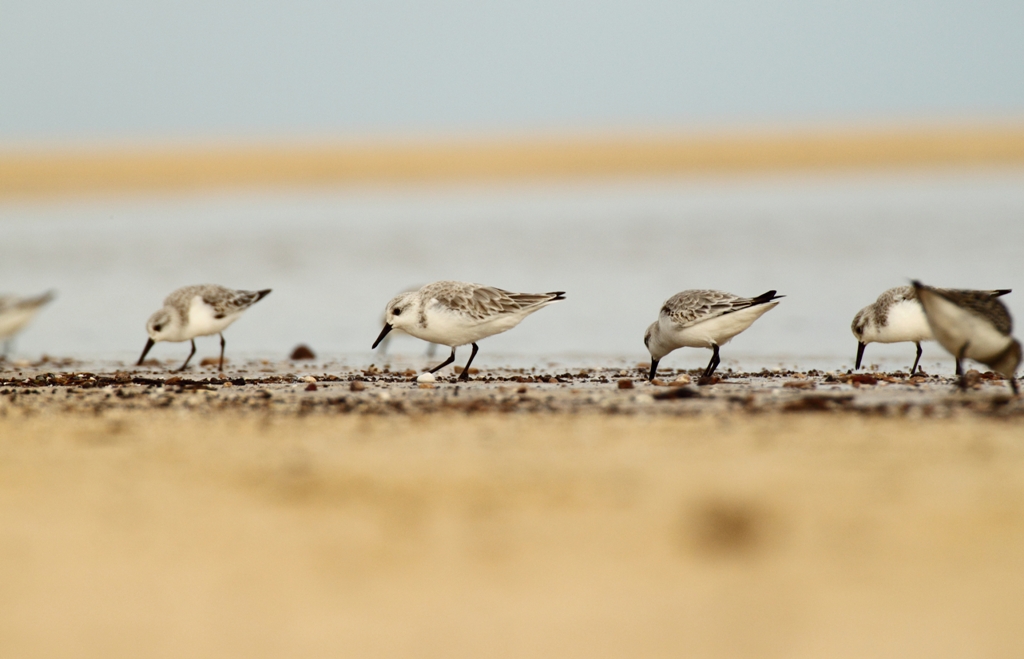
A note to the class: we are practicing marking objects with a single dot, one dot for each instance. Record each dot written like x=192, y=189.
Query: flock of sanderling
x=970, y=324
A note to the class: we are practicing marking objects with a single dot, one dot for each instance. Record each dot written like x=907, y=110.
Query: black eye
x=157, y=328
x=397, y=311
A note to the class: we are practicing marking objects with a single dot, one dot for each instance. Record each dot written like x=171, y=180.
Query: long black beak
x=145, y=351
x=860, y=355
x=383, y=333
x=654, y=369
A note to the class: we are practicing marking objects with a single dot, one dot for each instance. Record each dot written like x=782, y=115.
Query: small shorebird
x=198, y=311
x=16, y=312
x=897, y=317
x=703, y=319
x=973, y=325
x=454, y=314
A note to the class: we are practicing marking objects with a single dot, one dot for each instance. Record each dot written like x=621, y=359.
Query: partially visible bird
x=17, y=312
x=972, y=325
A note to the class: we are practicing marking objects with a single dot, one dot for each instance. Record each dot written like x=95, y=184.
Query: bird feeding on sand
x=703, y=319
x=198, y=311
x=972, y=325
x=897, y=317
x=454, y=314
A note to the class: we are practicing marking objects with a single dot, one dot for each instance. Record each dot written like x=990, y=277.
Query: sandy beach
x=774, y=514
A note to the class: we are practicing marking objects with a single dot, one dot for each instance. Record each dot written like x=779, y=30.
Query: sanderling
x=972, y=324
x=897, y=317
x=16, y=312
x=454, y=314
x=703, y=319
x=198, y=311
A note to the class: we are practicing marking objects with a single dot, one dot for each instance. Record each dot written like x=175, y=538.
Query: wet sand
x=242, y=515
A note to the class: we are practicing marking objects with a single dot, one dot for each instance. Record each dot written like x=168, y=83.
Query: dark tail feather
x=261, y=294
x=558, y=295
x=764, y=298
x=999, y=292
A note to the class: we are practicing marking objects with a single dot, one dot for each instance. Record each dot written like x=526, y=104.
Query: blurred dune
x=34, y=172
x=131, y=534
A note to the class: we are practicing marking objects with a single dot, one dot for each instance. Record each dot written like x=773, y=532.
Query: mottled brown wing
x=983, y=304
x=689, y=307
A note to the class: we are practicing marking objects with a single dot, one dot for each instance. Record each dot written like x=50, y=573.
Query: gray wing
x=12, y=302
x=483, y=302
x=225, y=301
x=689, y=307
x=983, y=304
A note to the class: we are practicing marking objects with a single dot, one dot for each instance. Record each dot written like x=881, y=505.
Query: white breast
x=906, y=322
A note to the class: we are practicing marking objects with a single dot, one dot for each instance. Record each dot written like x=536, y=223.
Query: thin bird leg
x=450, y=359
x=1013, y=385
x=220, y=369
x=654, y=369
x=960, y=369
x=185, y=365
x=918, y=360
x=465, y=371
x=713, y=364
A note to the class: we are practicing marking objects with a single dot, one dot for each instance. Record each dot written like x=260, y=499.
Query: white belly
x=955, y=327
x=716, y=331
x=202, y=320
x=450, y=329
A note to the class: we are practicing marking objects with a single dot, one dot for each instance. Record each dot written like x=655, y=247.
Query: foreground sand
x=189, y=529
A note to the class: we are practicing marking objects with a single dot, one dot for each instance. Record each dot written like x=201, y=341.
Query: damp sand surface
x=524, y=513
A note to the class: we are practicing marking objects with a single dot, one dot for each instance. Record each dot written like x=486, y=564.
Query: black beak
x=383, y=333
x=860, y=355
x=654, y=369
x=145, y=351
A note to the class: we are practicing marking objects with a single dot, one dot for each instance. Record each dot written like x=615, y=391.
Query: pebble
x=426, y=378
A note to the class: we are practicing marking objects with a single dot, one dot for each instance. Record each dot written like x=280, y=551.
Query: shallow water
x=334, y=258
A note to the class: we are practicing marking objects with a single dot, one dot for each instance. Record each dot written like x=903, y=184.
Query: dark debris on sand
x=42, y=388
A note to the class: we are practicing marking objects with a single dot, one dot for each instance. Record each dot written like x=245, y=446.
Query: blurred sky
x=167, y=69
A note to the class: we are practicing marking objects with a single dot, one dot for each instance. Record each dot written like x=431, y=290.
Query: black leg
x=450, y=359
x=713, y=364
x=222, y=344
x=959, y=366
x=185, y=365
x=1013, y=385
x=917, y=360
x=654, y=369
x=465, y=371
